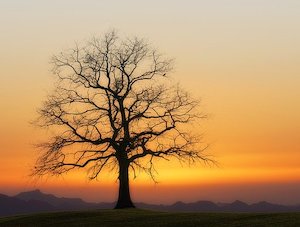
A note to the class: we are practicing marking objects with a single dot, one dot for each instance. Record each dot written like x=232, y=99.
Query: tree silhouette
x=113, y=108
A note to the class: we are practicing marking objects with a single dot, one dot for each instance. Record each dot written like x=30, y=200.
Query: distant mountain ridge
x=37, y=201
x=60, y=203
x=12, y=206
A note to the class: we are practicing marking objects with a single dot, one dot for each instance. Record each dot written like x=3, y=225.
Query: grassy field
x=143, y=218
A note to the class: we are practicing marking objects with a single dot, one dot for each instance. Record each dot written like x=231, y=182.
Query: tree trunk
x=124, y=200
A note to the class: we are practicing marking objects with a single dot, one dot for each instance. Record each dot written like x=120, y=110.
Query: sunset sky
x=241, y=57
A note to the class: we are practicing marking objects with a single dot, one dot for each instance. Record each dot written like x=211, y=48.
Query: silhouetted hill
x=59, y=203
x=37, y=201
x=208, y=206
x=12, y=206
x=264, y=206
x=236, y=206
x=197, y=206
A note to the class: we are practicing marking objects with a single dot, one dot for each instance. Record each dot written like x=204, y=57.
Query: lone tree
x=113, y=108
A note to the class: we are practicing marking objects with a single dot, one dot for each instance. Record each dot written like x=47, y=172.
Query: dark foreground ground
x=144, y=218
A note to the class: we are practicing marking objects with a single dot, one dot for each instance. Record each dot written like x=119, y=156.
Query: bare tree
x=113, y=108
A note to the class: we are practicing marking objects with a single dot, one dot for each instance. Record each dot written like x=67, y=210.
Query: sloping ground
x=137, y=218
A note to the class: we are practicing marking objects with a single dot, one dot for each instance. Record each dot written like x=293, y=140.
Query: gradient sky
x=242, y=57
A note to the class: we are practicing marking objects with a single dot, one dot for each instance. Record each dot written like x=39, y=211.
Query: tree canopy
x=114, y=107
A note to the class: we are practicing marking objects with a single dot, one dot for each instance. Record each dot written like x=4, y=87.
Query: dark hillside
x=135, y=217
